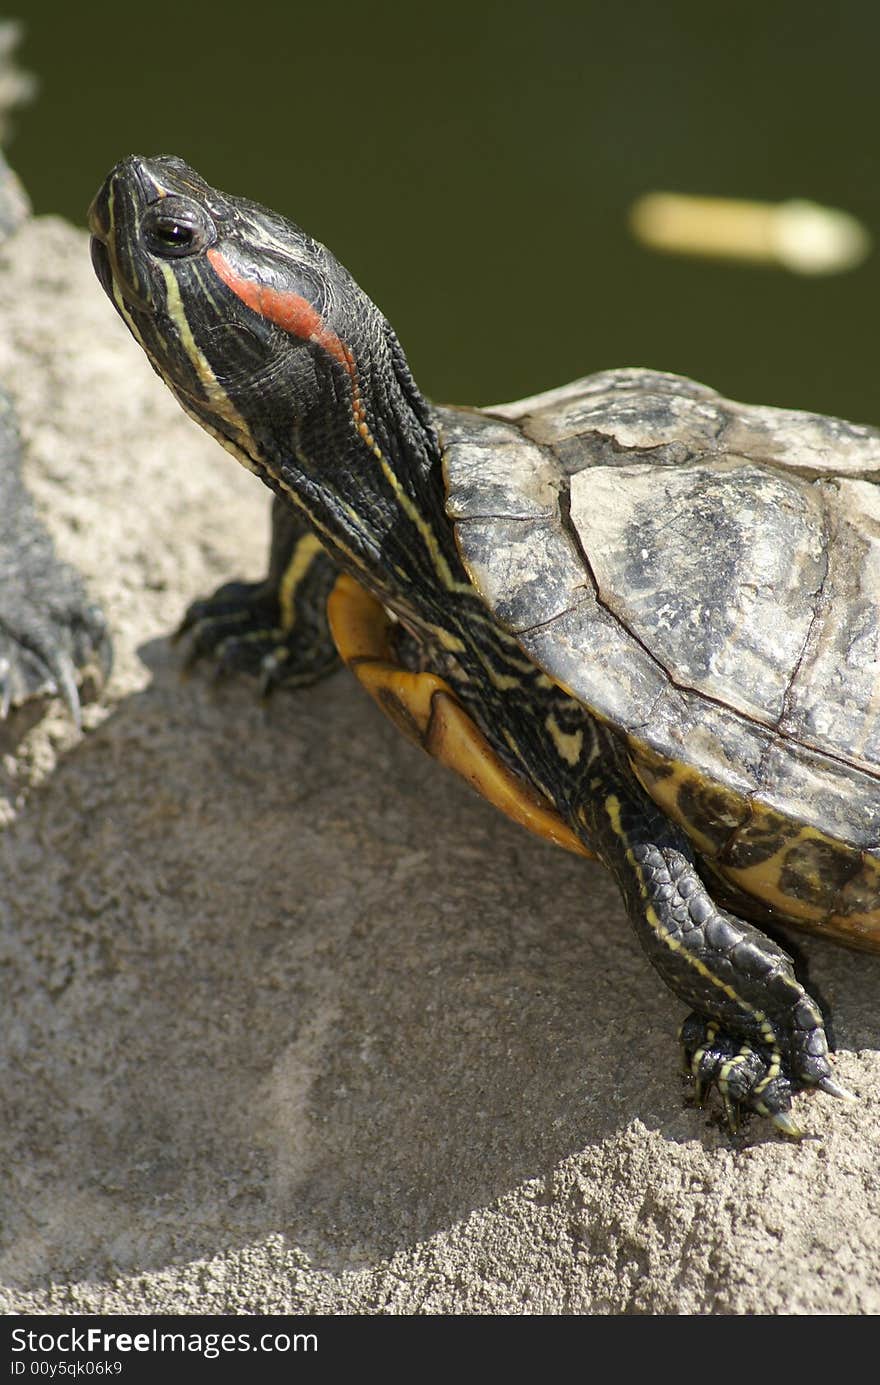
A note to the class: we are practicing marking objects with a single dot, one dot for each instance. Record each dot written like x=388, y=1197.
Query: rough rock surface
x=292, y=1022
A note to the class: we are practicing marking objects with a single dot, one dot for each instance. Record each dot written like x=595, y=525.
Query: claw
x=65, y=677
x=832, y=1088
x=269, y=666
x=178, y=633
x=193, y=656
x=192, y=616
x=731, y=1114
x=702, y=1088
x=223, y=665
x=5, y=689
x=784, y=1122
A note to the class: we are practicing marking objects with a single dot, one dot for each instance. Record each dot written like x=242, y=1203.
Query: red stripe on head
x=289, y=311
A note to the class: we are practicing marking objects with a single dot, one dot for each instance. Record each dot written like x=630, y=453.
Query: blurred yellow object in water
x=796, y=235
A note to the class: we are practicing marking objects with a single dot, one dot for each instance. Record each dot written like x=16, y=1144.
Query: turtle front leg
x=275, y=629
x=755, y=1033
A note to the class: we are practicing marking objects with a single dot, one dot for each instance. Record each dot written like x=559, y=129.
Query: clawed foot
x=50, y=647
x=239, y=629
x=750, y=1076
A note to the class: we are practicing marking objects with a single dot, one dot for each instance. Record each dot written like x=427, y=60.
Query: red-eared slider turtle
x=639, y=617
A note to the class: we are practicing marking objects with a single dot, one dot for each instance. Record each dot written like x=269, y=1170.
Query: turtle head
x=259, y=331
x=268, y=343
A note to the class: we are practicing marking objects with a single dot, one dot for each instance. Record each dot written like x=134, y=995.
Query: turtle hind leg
x=275, y=630
x=756, y=1035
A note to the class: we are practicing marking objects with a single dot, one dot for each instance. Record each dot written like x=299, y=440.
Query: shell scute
x=704, y=576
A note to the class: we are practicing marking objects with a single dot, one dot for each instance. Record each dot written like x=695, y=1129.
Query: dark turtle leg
x=277, y=628
x=52, y=638
x=755, y=1033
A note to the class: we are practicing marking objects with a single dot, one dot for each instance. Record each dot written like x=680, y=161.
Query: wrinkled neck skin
x=365, y=468
x=334, y=422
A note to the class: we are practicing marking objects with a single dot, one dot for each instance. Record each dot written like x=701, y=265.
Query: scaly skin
x=269, y=344
x=275, y=629
x=51, y=635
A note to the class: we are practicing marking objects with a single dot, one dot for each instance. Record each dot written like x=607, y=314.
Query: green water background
x=472, y=164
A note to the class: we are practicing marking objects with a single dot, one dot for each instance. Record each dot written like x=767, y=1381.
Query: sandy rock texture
x=292, y=1021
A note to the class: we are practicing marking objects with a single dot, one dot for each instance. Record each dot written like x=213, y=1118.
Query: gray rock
x=295, y=1023
x=53, y=639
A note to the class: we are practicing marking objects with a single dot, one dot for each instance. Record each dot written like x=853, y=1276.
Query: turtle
x=639, y=618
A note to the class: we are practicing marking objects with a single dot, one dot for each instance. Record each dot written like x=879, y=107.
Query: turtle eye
x=175, y=227
x=172, y=236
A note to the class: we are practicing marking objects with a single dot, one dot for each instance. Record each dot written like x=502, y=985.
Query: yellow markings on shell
x=761, y=881
x=569, y=744
x=304, y=554
x=664, y=789
x=765, y=880
x=612, y=809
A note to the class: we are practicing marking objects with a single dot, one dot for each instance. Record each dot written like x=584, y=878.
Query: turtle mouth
x=114, y=284
x=97, y=223
x=101, y=264
x=111, y=215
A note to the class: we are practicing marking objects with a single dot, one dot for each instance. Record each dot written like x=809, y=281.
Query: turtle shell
x=704, y=576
